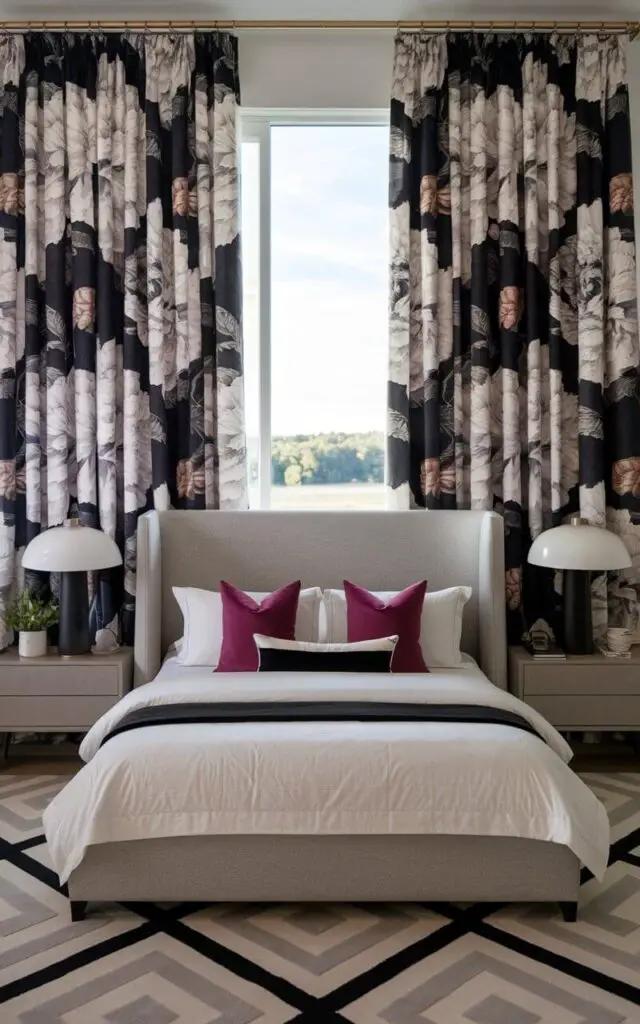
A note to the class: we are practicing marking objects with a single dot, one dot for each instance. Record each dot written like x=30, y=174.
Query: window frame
x=254, y=125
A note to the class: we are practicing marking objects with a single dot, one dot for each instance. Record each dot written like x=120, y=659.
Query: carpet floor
x=318, y=964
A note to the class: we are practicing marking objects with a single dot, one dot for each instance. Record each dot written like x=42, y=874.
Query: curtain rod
x=578, y=27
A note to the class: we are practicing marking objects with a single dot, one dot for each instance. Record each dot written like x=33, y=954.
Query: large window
x=315, y=277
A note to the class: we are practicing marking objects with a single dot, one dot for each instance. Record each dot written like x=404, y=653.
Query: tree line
x=328, y=459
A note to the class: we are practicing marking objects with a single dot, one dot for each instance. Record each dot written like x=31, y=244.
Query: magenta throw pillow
x=368, y=618
x=242, y=617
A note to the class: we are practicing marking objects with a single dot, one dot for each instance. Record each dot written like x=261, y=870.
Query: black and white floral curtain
x=513, y=326
x=120, y=304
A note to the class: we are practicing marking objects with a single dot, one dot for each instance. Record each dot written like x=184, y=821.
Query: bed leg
x=569, y=912
x=78, y=909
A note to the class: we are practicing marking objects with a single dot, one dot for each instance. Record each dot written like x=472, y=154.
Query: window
x=315, y=279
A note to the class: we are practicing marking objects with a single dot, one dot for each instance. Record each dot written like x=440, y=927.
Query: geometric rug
x=140, y=963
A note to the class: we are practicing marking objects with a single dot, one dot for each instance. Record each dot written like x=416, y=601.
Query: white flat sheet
x=324, y=777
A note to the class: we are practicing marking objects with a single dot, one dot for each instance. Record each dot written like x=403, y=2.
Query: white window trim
x=254, y=125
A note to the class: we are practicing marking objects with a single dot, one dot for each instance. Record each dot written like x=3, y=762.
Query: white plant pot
x=32, y=645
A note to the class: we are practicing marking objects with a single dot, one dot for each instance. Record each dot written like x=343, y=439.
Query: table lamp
x=72, y=550
x=579, y=549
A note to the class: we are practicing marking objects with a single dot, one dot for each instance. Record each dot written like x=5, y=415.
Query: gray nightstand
x=54, y=694
x=586, y=692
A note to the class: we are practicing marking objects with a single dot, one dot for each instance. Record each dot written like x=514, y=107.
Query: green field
x=328, y=496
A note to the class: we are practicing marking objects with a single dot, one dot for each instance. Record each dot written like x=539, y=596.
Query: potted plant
x=31, y=617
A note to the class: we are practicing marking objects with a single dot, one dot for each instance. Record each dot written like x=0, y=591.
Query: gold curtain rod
x=578, y=27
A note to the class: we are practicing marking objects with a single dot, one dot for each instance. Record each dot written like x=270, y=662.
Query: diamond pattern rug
x=316, y=964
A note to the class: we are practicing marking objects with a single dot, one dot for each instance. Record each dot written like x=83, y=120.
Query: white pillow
x=440, y=626
x=202, y=614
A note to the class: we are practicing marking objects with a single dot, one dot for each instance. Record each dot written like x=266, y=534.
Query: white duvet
x=324, y=778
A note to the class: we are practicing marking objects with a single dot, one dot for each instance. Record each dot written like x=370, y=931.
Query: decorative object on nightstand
x=72, y=550
x=619, y=642
x=588, y=693
x=579, y=549
x=541, y=648
x=51, y=694
x=31, y=618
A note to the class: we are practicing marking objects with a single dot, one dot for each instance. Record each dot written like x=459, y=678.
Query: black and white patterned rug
x=368, y=964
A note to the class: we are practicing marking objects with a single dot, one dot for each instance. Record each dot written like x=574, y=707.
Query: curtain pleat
x=120, y=300
x=514, y=358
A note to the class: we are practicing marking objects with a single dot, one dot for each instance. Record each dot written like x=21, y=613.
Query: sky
x=329, y=230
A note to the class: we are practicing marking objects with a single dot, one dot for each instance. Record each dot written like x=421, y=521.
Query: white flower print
x=137, y=453
x=225, y=172
x=53, y=166
x=231, y=445
x=83, y=430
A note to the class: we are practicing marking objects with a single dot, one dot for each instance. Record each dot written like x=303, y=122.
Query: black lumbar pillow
x=275, y=655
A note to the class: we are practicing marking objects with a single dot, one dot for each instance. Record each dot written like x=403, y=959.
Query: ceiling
x=393, y=10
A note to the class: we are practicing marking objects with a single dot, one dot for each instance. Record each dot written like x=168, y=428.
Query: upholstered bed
x=383, y=551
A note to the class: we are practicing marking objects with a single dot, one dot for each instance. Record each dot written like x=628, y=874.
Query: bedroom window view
x=320, y=399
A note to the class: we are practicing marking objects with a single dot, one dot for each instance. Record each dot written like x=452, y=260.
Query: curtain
x=120, y=327
x=513, y=380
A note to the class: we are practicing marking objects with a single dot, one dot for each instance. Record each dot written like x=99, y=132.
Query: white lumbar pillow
x=440, y=626
x=202, y=613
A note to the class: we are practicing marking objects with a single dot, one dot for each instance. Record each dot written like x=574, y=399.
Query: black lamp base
x=73, y=629
x=578, y=629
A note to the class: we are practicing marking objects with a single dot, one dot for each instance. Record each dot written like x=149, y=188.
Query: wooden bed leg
x=569, y=912
x=78, y=909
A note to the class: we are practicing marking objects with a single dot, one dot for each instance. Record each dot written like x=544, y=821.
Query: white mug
x=619, y=640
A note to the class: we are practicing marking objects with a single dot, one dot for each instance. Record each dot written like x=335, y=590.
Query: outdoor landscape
x=308, y=459
x=335, y=470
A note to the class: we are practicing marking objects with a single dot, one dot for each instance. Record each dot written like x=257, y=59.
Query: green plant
x=28, y=614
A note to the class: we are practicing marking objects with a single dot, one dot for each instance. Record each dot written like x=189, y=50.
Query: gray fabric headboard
x=263, y=550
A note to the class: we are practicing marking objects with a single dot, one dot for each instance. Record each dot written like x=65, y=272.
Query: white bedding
x=324, y=777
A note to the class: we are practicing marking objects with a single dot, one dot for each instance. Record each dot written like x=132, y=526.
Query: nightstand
x=54, y=694
x=585, y=692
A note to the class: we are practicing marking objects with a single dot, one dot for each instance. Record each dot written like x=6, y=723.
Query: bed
x=283, y=859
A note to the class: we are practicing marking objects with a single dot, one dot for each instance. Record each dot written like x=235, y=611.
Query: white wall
x=316, y=69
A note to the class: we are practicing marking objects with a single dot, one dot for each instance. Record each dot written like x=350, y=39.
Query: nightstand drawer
x=63, y=678
x=575, y=678
x=52, y=713
x=576, y=712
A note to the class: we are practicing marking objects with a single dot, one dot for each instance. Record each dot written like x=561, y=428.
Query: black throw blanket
x=315, y=711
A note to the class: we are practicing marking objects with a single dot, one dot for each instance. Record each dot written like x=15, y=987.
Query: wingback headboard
x=262, y=550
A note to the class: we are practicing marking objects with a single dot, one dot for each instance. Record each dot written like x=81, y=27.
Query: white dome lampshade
x=71, y=548
x=579, y=546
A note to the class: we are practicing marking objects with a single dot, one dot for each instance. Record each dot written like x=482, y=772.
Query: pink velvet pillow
x=242, y=617
x=368, y=617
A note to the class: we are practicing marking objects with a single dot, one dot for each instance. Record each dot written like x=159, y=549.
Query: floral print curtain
x=513, y=380
x=120, y=327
